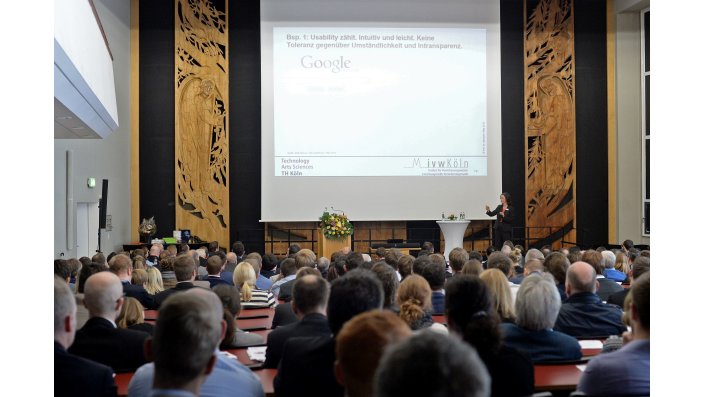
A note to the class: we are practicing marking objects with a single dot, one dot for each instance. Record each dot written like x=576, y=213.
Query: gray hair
x=609, y=259
x=533, y=254
x=323, y=263
x=64, y=303
x=538, y=302
x=432, y=364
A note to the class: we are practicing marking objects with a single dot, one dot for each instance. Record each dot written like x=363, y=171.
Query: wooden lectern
x=327, y=246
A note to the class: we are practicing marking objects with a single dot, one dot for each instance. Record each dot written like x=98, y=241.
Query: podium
x=327, y=246
x=453, y=233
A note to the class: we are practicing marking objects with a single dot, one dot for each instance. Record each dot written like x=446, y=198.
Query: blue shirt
x=614, y=275
x=227, y=375
x=263, y=283
x=278, y=284
x=624, y=371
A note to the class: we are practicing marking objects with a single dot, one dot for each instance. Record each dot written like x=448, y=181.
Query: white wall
x=628, y=96
x=107, y=158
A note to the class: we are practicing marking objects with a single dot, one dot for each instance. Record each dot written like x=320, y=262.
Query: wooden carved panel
x=549, y=116
x=201, y=125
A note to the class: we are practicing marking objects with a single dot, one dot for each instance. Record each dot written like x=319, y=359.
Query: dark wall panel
x=591, y=121
x=156, y=116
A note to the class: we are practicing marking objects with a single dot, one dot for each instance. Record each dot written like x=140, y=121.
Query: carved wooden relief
x=201, y=125
x=549, y=115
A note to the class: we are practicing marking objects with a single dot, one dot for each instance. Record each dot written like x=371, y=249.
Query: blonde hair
x=139, y=277
x=244, y=278
x=132, y=313
x=501, y=295
x=621, y=263
x=515, y=256
x=138, y=262
x=154, y=283
x=413, y=298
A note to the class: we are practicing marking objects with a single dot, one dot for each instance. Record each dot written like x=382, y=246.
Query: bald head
x=533, y=265
x=581, y=277
x=231, y=257
x=103, y=295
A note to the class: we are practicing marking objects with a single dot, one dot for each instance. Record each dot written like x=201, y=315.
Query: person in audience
x=502, y=303
x=166, y=267
x=269, y=265
x=62, y=269
x=642, y=265
x=186, y=338
x=121, y=266
x=557, y=264
x=414, y=302
x=428, y=246
x=435, y=273
x=99, y=339
x=322, y=264
x=627, y=370
x=574, y=254
x=154, y=283
x=292, y=250
x=457, y=259
x=310, y=299
x=605, y=287
x=517, y=268
x=185, y=273
x=230, y=262
x=132, y=317
x=138, y=263
x=250, y=297
x=285, y=291
x=360, y=345
x=99, y=258
x=87, y=270
x=352, y=261
x=75, y=265
x=214, y=268
x=583, y=314
x=306, y=365
x=609, y=259
x=627, y=245
x=139, y=277
x=263, y=283
x=154, y=254
x=533, y=266
x=238, y=248
x=441, y=260
x=431, y=364
x=537, y=307
x=390, y=283
x=288, y=272
x=498, y=260
x=73, y=375
x=621, y=264
x=234, y=337
x=391, y=257
x=405, y=263
x=470, y=316
x=472, y=267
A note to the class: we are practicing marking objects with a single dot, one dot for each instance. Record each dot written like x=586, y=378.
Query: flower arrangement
x=335, y=226
x=452, y=217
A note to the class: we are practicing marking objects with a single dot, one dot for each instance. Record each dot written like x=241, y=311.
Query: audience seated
x=132, y=317
x=185, y=273
x=390, y=283
x=404, y=266
x=431, y=364
x=414, y=302
x=557, y=264
x=306, y=366
x=627, y=370
x=537, y=307
x=255, y=259
x=214, y=267
x=472, y=267
x=360, y=345
x=166, y=267
x=498, y=260
x=189, y=328
x=288, y=274
x=606, y=287
x=502, y=303
x=121, y=266
x=435, y=273
x=99, y=339
x=470, y=316
x=609, y=259
x=641, y=265
x=154, y=284
x=269, y=265
x=234, y=337
x=457, y=258
x=250, y=297
x=73, y=375
x=583, y=314
x=310, y=297
x=622, y=264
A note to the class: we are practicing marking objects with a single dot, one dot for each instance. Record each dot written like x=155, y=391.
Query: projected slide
x=368, y=101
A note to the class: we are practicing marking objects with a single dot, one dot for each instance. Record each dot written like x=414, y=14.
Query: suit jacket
x=283, y=315
x=120, y=349
x=314, y=324
x=507, y=219
x=438, y=300
x=216, y=280
x=76, y=376
x=306, y=368
x=618, y=298
x=160, y=297
x=607, y=288
x=584, y=315
x=285, y=290
x=543, y=345
x=138, y=292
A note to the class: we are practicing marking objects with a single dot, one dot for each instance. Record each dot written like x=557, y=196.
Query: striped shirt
x=259, y=299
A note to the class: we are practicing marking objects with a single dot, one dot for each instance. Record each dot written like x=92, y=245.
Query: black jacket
x=120, y=349
x=313, y=324
x=76, y=376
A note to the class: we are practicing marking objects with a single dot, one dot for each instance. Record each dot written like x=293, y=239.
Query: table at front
x=556, y=377
x=453, y=233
